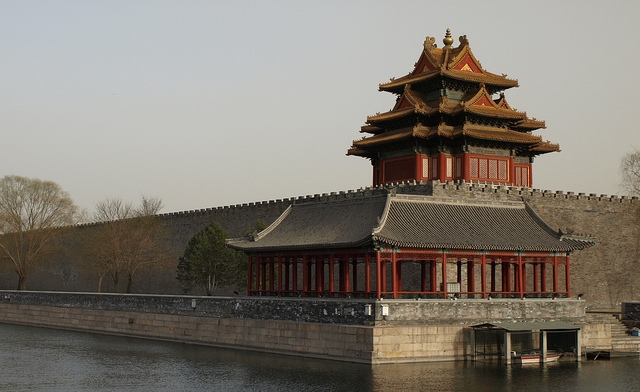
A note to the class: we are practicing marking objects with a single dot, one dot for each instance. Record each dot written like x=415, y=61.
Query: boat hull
x=536, y=358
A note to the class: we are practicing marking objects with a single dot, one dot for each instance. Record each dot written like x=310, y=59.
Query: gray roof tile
x=410, y=222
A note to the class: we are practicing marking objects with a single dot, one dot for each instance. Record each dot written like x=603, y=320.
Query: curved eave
x=397, y=85
x=393, y=136
x=487, y=78
x=535, y=143
x=545, y=147
x=372, y=129
x=395, y=114
x=496, y=82
x=315, y=246
x=501, y=134
x=489, y=111
x=360, y=153
x=571, y=246
x=531, y=124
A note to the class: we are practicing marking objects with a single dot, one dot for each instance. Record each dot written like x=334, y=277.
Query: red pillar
x=512, y=171
x=516, y=277
x=383, y=275
x=263, y=273
x=523, y=279
x=418, y=168
x=471, y=276
x=442, y=167
x=398, y=275
x=378, y=276
x=543, y=277
x=272, y=274
x=555, y=274
x=347, y=277
x=367, y=274
x=287, y=275
x=493, y=275
x=521, y=274
x=332, y=287
x=506, y=276
x=567, y=276
x=250, y=275
x=536, y=278
x=280, y=276
x=465, y=167
x=319, y=274
x=434, y=276
x=305, y=275
x=294, y=272
x=444, y=274
x=354, y=274
x=394, y=276
x=483, y=278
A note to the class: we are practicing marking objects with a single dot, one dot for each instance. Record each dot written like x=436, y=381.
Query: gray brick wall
x=605, y=274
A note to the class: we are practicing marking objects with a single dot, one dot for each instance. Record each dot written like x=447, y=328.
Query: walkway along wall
x=339, y=329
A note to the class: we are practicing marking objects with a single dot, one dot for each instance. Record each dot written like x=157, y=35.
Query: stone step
x=621, y=340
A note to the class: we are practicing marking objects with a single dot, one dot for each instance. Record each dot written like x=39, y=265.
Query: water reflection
x=52, y=360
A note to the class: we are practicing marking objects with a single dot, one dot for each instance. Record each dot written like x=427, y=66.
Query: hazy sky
x=210, y=103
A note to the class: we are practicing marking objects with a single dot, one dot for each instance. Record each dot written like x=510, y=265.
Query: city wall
x=338, y=329
x=605, y=274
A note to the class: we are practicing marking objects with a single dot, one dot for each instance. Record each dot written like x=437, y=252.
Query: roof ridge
x=385, y=212
x=460, y=201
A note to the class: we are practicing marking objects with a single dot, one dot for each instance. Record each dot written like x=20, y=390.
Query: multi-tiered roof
x=446, y=105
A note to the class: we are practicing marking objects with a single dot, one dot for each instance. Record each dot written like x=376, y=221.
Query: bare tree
x=33, y=215
x=125, y=239
x=630, y=171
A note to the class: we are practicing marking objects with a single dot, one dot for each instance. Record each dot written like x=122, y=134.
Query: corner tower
x=451, y=121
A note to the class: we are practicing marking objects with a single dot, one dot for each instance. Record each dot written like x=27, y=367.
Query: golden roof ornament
x=430, y=43
x=447, y=41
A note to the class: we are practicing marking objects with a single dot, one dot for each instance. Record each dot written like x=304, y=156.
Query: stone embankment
x=356, y=330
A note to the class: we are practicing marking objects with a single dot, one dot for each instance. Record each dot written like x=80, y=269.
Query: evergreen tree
x=209, y=264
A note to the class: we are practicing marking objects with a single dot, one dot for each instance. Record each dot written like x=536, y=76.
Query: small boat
x=534, y=357
x=598, y=355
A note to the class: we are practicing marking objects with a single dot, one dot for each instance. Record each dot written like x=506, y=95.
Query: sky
x=213, y=103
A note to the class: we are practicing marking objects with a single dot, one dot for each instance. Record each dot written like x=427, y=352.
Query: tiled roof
x=364, y=145
x=428, y=223
x=410, y=222
x=337, y=224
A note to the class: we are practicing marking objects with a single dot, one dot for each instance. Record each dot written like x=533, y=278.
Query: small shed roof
x=530, y=326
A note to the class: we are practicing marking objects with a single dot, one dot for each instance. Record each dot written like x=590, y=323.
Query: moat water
x=39, y=359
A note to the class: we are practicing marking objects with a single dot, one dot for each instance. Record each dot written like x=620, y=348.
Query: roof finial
x=447, y=41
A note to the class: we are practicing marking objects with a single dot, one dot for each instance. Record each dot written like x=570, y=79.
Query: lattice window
x=522, y=176
x=458, y=167
x=525, y=176
x=473, y=167
x=449, y=167
x=503, y=171
x=493, y=168
x=425, y=167
x=483, y=172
